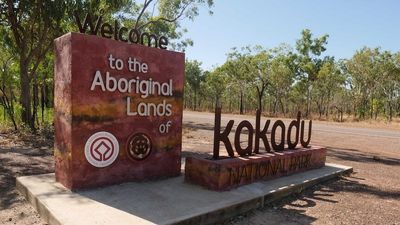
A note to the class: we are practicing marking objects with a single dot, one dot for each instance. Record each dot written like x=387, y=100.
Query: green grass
x=47, y=120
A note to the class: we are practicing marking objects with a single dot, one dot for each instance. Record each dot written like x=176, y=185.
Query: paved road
x=208, y=120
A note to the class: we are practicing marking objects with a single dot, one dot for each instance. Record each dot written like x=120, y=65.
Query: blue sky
x=350, y=24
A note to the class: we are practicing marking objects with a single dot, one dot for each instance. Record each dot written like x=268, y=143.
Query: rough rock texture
x=228, y=173
x=81, y=112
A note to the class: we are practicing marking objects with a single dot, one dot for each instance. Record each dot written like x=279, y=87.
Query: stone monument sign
x=288, y=153
x=118, y=111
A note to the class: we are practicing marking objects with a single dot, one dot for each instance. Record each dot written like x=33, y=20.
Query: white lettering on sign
x=135, y=85
x=107, y=82
x=149, y=109
x=164, y=128
x=135, y=66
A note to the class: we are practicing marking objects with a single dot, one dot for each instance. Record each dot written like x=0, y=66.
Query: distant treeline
x=280, y=81
x=284, y=80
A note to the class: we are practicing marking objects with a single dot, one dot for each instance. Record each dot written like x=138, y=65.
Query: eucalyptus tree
x=309, y=61
x=237, y=69
x=7, y=83
x=329, y=81
x=282, y=77
x=363, y=69
x=217, y=82
x=397, y=79
x=31, y=26
x=194, y=77
x=162, y=17
x=258, y=67
x=389, y=80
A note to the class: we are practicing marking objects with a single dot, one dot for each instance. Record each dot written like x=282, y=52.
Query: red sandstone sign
x=118, y=111
x=223, y=173
x=227, y=173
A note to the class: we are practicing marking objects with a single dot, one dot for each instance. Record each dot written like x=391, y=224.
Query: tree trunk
x=341, y=116
x=327, y=105
x=275, y=106
x=327, y=111
x=43, y=99
x=35, y=101
x=271, y=106
x=260, y=102
x=372, y=108
x=8, y=105
x=308, y=101
x=260, y=94
x=282, y=107
x=241, y=102
x=26, y=115
x=319, y=110
x=355, y=111
x=195, y=100
x=12, y=112
x=217, y=105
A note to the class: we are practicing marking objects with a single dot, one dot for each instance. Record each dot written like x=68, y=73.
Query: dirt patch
x=371, y=195
x=21, y=155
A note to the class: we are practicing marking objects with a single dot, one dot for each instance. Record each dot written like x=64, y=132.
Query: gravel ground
x=21, y=155
x=371, y=195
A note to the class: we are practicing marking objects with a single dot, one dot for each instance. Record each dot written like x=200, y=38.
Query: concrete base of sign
x=170, y=201
x=227, y=173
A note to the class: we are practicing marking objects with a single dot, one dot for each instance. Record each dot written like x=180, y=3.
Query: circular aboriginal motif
x=101, y=149
x=139, y=146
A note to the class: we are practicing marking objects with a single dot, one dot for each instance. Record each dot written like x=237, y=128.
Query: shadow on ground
x=20, y=161
x=198, y=126
x=290, y=210
x=293, y=209
x=210, y=127
x=358, y=156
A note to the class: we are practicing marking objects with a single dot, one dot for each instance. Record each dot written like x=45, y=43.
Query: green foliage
x=8, y=82
x=162, y=17
x=280, y=81
x=216, y=84
x=309, y=61
x=194, y=77
x=194, y=74
x=28, y=29
x=283, y=81
x=374, y=81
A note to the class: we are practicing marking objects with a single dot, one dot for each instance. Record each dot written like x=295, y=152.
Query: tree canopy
x=285, y=79
x=280, y=80
x=28, y=29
